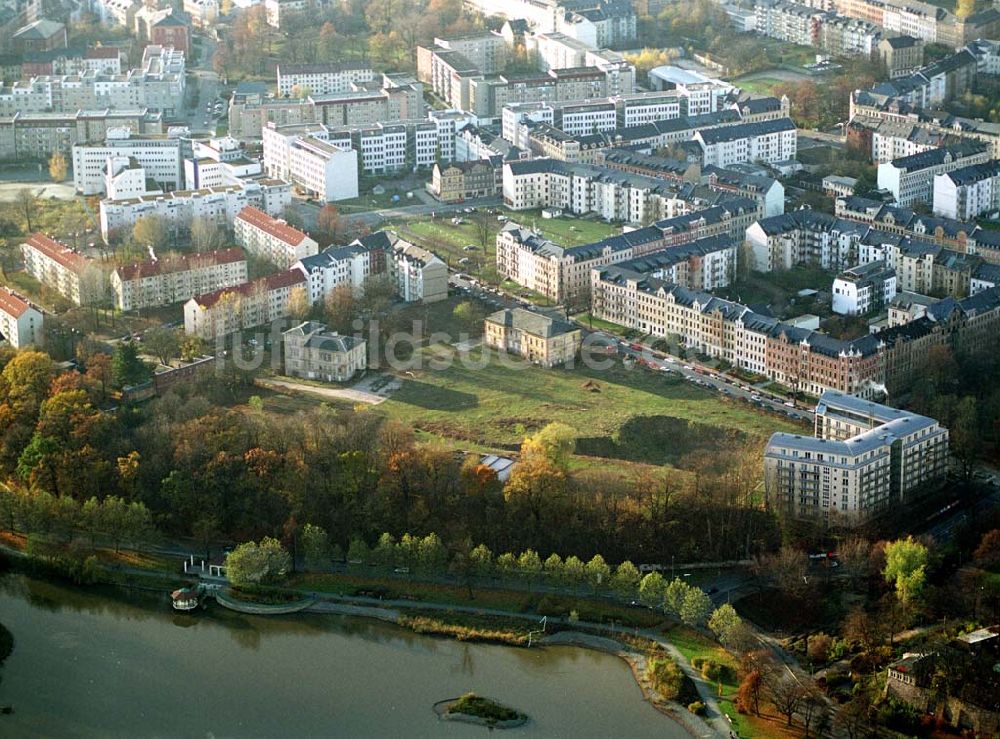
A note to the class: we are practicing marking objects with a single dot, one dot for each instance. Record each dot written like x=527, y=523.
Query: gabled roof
x=12, y=305
x=181, y=263
x=272, y=226
x=58, y=252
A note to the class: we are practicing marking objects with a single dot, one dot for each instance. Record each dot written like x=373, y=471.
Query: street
x=206, y=81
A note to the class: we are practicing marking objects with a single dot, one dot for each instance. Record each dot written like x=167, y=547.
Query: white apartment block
x=418, y=275
x=219, y=205
x=322, y=79
x=586, y=118
x=307, y=156
x=159, y=155
x=20, y=324
x=157, y=282
x=74, y=276
x=342, y=265
x=158, y=86
x=968, y=192
x=911, y=179
x=125, y=178
x=271, y=239
x=765, y=141
x=865, y=461
x=223, y=312
x=486, y=50
x=864, y=289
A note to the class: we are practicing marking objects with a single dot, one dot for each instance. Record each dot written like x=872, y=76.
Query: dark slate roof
x=974, y=173
x=532, y=323
x=745, y=130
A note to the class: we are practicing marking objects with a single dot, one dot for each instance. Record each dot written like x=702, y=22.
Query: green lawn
x=758, y=86
x=633, y=415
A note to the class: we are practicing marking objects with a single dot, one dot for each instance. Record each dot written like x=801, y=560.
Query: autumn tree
x=651, y=589
x=151, y=231
x=315, y=545
x=554, y=443
x=328, y=224
x=298, y=304
x=987, y=554
x=162, y=343
x=724, y=619
x=57, y=166
x=749, y=692
x=906, y=568
x=251, y=564
x=626, y=579
x=206, y=235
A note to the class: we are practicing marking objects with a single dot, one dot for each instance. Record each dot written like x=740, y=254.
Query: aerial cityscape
x=572, y=368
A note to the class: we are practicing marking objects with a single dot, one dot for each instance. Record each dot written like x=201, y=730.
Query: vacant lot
x=632, y=415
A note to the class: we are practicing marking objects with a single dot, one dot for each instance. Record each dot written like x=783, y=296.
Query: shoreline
x=574, y=636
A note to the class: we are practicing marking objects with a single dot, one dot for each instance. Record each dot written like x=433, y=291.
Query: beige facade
x=165, y=281
x=535, y=337
x=77, y=278
x=314, y=353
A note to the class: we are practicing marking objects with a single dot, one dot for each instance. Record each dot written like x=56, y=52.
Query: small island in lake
x=476, y=709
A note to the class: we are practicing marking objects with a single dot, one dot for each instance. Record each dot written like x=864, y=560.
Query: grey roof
x=317, y=337
x=974, y=173
x=745, y=130
x=532, y=323
x=935, y=157
x=902, y=42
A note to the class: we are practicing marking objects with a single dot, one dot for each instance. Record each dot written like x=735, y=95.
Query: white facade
x=218, y=205
x=911, y=179
x=767, y=141
x=969, y=192
x=322, y=79
x=20, y=323
x=306, y=156
x=159, y=155
x=862, y=290
x=161, y=282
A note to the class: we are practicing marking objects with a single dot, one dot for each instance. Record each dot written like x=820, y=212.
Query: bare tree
x=27, y=205
x=786, y=694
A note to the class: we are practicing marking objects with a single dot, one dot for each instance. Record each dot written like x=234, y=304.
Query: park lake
x=121, y=663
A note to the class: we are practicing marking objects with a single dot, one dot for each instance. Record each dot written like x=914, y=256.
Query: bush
x=665, y=676
x=819, y=647
x=697, y=708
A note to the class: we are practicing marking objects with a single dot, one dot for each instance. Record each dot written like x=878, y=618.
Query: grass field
x=758, y=86
x=633, y=415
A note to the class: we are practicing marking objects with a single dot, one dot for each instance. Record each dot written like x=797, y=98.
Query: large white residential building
x=180, y=208
x=911, y=179
x=222, y=312
x=271, y=239
x=968, y=192
x=159, y=85
x=866, y=460
x=306, y=156
x=766, y=141
x=20, y=323
x=864, y=289
x=345, y=265
x=157, y=282
x=159, y=155
x=74, y=276
x=302, y=80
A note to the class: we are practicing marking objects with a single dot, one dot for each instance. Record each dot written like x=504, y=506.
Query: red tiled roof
x=152, y=267
x=11, y=304
x=279, y=229
x=58, y=252
x=102, y=52
x=277, y=281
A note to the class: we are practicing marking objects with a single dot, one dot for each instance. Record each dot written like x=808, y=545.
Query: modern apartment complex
x=157, y=282
x=78, y=279
x=179, y=209
x=302, y=80
x=865, y=461
x=349, y=265
x=767, y=141
x=910, y=179
x=305, y=156
x=864, y=289
x=160, y=155
x=271, y=239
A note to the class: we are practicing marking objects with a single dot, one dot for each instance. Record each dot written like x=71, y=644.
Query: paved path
x=336, y=393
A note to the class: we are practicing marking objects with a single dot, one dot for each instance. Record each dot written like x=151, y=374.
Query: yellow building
x=537, y=338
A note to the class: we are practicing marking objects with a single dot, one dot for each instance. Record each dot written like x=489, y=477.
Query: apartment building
x=563, y=274
x=222, y=312
x=160, y=155
x=20, y=324
x=157, y=282
x=302, y=80
x=418, y=275
x=911, y=178
x=345, y=265
x=38, y=135
x=594, y=22
x=947, y=232
x=968, y=192
x=864, y=289
x=314, y=353
x=487, y=51
x=396, y=100
x=218, y=205
x=305, y=156
x=699, y=94
x=538, y=338
x=767, y=141
x=73, y=60
x=386, y=148
x=271, y=239
x=865, y=461
x=902, y=55
x=458, y=181
x=158, y=85
x=77, y=278
x=804, y=237
x=809, y=26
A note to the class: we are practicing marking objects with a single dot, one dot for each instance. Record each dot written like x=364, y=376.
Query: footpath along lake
x=111, y=663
